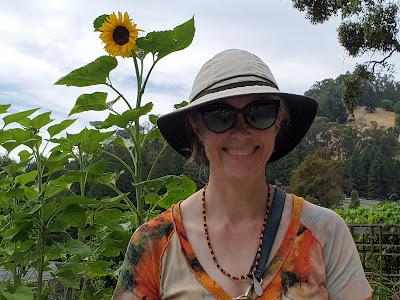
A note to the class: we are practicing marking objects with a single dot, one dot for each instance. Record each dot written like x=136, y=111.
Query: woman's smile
x=239, y=152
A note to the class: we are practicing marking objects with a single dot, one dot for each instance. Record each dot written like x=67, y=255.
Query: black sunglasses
x=221, y=117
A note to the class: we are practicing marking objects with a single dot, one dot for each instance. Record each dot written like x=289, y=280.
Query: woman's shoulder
x=156, y=229
x=323, y=222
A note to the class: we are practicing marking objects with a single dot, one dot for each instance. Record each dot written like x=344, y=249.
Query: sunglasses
x=221, y=117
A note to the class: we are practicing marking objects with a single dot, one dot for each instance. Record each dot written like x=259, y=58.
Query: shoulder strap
x=270, y=231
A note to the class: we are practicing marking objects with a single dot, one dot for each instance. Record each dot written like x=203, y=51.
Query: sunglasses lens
x=219, y=119
x=261, y=115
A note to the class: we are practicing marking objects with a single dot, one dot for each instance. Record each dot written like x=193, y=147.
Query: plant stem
x=119, y=94
x=41, y=227
x=136, y=138
x=122, y=162
x=156, y=161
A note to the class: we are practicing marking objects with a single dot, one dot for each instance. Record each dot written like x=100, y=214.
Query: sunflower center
x=121, y=35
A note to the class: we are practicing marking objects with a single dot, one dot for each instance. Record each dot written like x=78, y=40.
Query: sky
x=43, y=40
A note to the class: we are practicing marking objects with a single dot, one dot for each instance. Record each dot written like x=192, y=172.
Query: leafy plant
x=48, y=223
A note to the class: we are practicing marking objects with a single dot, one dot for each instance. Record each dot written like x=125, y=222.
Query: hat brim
x=301, y=110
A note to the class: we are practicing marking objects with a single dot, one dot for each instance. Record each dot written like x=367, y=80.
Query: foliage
x=367, y=27
x=356, y=148
x=319, y=180
x=328, y=92
x=64, y=204
x=387, y=214
x=354, y=200
x=387, y=104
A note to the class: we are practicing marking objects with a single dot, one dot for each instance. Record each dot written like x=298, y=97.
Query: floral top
x=315, y=259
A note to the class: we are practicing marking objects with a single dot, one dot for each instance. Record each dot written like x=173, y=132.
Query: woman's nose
x=241, y=127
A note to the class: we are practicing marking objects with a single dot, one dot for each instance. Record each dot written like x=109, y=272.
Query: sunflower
x=119, y=34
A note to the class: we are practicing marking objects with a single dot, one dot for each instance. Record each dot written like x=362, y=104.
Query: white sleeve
x=345, y=277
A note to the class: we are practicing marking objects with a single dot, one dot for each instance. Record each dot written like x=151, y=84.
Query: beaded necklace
x=258, y=254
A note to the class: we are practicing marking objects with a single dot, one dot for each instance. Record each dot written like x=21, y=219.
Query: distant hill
x=382, y=117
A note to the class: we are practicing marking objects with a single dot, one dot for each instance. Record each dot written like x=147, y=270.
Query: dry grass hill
x=382, y=117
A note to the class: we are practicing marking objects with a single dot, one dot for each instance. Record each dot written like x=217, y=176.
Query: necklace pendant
x=257, y=286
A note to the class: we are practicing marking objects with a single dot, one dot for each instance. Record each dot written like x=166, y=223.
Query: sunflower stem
x=119, y=94
x=136, y=137
x=148, y=75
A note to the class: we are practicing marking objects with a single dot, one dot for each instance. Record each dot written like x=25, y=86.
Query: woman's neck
x=233, y=201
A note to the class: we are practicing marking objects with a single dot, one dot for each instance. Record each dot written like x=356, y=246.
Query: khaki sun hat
x=233, y=73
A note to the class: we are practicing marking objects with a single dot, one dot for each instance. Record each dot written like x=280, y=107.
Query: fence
x=379, y=250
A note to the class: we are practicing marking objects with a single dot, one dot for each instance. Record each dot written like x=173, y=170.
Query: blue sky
x=43, y=40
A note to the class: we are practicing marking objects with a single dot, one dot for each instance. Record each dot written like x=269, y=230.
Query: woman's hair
x=198, y=154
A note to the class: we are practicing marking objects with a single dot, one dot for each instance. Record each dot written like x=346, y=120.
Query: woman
x=240, y=237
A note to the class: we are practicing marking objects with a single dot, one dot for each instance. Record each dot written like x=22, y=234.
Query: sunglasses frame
x=238, y=111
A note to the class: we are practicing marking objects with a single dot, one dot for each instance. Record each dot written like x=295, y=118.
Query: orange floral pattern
x=297, y=271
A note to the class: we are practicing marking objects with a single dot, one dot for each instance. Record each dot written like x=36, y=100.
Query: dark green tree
x=354, y=200
x=319, y=179
x=328, y=94
x=368, y=27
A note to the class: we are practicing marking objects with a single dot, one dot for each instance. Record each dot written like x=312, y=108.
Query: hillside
x=382, y=117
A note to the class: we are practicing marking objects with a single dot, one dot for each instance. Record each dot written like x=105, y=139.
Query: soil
x=382, y=117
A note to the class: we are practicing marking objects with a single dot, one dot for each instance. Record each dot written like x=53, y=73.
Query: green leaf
x=178, y=188
x=127, y=117
x=111, y=103
x=108, y=216
x=163, y=43
x=153, y=133
x=57, y=128
x=93, y=73
x=75, y=216
x=98, y=22
x=153, y=119
x=4, y=108
x=75, y=247
x=68, y=274
x=86, y=102
x=21, y=293
x=41, y=120
x=54, y=189
x=26, y=178
x=30, y=193
x=100, y=268
x=4, y=201
x=18, y=116
x=181, y=104
x=24, y=155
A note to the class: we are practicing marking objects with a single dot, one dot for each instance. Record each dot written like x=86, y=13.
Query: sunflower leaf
x=41, y=120
x=57, y=128
x=98, y=22
x=18, y=116
x=128, y=116
x=4, y=108
x=163, y=43
x=93, y=73
x=85, y=102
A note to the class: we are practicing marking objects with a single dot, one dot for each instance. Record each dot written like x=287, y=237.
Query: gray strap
x=270, y=231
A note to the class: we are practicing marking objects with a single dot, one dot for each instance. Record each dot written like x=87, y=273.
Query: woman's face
x=240, y=152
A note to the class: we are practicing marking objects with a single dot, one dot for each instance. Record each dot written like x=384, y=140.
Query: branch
x=380, y=62
x=396, y=44
x=119, y=94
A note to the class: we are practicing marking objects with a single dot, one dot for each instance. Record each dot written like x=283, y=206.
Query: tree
x=368, y=27
x=319, y=179
x=387, y=105
x=354, y=201
x=328, y=92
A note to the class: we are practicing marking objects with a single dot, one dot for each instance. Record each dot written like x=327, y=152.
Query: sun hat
x=232, y=73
